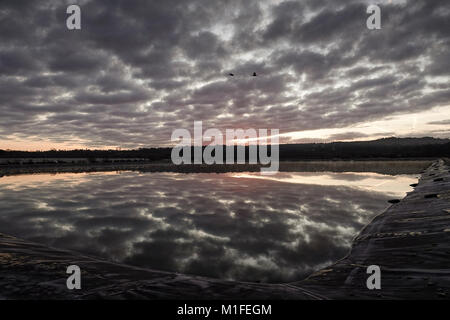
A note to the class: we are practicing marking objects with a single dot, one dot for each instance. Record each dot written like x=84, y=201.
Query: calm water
x=240, y=226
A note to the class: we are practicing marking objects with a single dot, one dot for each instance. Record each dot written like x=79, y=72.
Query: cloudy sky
x=137, y=70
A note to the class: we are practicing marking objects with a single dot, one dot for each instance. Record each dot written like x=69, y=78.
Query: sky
x=137, y=70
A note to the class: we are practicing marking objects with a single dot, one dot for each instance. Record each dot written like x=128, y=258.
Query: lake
x=239, y=226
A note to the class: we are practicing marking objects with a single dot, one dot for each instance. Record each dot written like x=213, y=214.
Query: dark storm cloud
x=444, y=122
x=139, y=69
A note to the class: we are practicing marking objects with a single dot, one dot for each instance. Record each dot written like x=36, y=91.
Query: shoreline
x=410, y=241
x=405, y=166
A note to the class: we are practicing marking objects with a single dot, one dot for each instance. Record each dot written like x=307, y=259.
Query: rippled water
x=241, y=226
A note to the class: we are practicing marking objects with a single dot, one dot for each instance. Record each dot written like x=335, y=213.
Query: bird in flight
x=232, y=74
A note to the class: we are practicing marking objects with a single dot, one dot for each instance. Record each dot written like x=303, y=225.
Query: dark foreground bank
x=410, y=242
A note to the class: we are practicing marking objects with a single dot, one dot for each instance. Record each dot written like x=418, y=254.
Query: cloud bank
x=139, y=69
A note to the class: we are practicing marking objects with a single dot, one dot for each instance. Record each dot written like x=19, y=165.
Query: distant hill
x=392, y=147
x=409, y=141
x=391, y=141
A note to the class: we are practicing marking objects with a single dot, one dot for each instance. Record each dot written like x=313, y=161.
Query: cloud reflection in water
x=230, y=226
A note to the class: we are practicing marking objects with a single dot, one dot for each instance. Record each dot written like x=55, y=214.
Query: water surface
x=241, y=226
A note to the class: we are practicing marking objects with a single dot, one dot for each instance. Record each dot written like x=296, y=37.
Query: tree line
x=384, y=148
